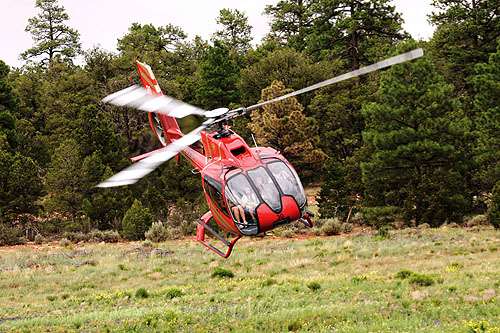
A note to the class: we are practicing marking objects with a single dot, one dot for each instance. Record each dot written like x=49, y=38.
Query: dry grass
x=93, y=287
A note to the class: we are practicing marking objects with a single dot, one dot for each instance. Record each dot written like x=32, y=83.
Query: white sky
x=104, y=21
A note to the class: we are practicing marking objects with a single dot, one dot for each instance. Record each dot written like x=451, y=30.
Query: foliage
x=494, y=210
x=284, y=127
x=173, y=293
x=467, y=33
x=222, y=272
x=331, y=226
x=10, y=235
x=158, y=233
x=218, y=78
x=51, y=35
x=417, y=278
x=335, y=198
x=141, y=293
x=487, y=86
x=136, y=221
x=380, y=216
x=236, y=32
x=415, y=161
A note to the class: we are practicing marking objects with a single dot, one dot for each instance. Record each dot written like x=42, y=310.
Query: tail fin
x=165, y=128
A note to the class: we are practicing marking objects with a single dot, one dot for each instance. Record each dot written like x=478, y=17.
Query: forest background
x=416, y=144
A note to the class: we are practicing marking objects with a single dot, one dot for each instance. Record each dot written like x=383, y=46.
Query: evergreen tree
x=144, y=38
x=415, y=161
x=51, y=35
x=236, y=32
x=291, y=21
x=487, y=109
x=354, y=29
x=218, y=78
x=335, y=198
x=467, y=33
x=283, y=126
x=136, y=221
x=494, y=210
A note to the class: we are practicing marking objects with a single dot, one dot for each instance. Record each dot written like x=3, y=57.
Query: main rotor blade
x=140, y=98
x=141, y=168
x=417, y=53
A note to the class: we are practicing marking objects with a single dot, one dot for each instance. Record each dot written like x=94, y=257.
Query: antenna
x=255, y=143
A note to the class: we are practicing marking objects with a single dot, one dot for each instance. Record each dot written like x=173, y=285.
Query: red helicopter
x=249, y=190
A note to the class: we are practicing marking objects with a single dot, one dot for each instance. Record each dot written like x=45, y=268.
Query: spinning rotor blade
x=417, y=53
x=140, y=98
x=141, y=168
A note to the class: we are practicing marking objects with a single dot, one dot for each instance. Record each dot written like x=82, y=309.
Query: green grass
x=357, y=284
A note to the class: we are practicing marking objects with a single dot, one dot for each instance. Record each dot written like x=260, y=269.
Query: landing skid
x=200, y=236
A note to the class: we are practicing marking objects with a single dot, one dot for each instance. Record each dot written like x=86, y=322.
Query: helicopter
x=249, y=190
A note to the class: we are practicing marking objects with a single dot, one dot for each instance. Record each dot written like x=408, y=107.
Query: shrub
x=157, y=233
x=383, y=233
x=421, y=279
x=141, y=293
x=287, y=233
x=417, y=278
x=494, y=210
x=39, y=239
x=136, y=221
x=476, y=220
x=148, y=244
x=11, y=235
x=332, y=226
x=64, y=242
x=111, y=236
x=314, y=286
x=173, y=293
x=221, y=272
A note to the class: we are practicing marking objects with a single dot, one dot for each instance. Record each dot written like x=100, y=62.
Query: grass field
x=418, y=280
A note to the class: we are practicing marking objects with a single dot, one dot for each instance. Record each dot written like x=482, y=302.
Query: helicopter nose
x=269, y=220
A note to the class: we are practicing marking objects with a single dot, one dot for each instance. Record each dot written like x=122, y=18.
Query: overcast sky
x=104, y=21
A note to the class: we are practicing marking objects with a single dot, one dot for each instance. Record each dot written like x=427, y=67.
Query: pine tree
x=218, y=78
x=291, y=21
x=354, y=29
x=236, y=32
x=284, y=127
x=51, y=35
x=467, y=33
x=415, y=163
x=487, y=110
x=494, y=210
x=136, y=221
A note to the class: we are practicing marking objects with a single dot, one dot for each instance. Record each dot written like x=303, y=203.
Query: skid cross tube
x=200, y=237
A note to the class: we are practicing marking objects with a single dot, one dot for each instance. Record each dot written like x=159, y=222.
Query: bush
x=141, y=293
x=332, y=226
x=158, y=233
x=11, y=235
x=383, y=233
x=417, y=278
x=136, y=221
x=221, y=272
x=476, y=220
x=173, y=293
x=287, y=233
x=39, y=239
x=494, y=210
x=148, y=244
x=314, y=286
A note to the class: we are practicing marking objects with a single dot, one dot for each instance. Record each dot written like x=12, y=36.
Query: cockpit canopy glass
x=240, y=192
x=288, y=181
x=266, y=188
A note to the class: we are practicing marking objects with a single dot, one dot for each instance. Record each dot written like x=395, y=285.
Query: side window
x=214, y=191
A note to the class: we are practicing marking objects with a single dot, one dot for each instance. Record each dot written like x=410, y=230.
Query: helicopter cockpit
x=267, y=185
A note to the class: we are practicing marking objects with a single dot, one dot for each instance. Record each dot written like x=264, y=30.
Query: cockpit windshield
x=288, y=180
x=266, y=188
x=244, y=193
